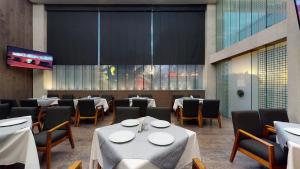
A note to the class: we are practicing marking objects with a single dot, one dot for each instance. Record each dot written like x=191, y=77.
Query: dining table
x=17, y=143
x=98, y=101
x=142, y=152
x=179, y=102
x=289, y=139
x=151, y=101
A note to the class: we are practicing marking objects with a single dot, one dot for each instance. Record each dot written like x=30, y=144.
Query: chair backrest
x=161, y=113
x=56, y=115
x=95, y=95
x=24, y=111
x=142, y=104
x=52, y=95
x=4, y=111
x=123, y=113
x=86, y=108
x=67, y=102
x=76, y=165
x=190, y=108
x=67, y=96
x=147, y=95
x=248, y=121
x=121, y=103
x=108, y=97
x=268, y=116
x=29, y=103
x=197, y=164
x=210, y=108
x=10, y=102
x=196, y=96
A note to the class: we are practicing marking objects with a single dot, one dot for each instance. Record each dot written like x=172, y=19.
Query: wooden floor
x=215, y=146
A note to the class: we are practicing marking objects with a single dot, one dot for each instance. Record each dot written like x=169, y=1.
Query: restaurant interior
x=149, y=84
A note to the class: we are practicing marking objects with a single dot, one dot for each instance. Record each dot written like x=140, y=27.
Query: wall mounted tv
x=297, y=5
x=25, y=58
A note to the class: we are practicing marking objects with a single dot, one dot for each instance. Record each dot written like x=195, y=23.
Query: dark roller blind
x=179, y=37
x=125, y=37
x=73, y=37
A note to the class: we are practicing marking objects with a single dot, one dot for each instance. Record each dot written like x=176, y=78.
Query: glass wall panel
x=139, y=79
x=95, y=77
x=173, y=77
x=222, y=87
x=78, y=77
x=54, y=77
x=112, y=77
x=147, y=77
x=199, y=76
x=190, y=77
x=70, y=77
x=219, y=25
x=156, y=77
x=87, y=77
x=130, y=77
x=234, y=21
x=104, y=77
x=121, y=77
x=245, y=19
x=164, y=77
x=61, y=74
x=182, y=77
x=226, y=23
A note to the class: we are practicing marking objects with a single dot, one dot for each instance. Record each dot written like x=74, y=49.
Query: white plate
x=293, y=130
x=130, y=122
x=160, y=123
x=161, y=138
x=121, y=136
x=13, y=122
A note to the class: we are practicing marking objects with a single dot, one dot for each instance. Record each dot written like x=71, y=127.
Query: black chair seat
x=272, y=137
x=262, y=151
x=41, y=138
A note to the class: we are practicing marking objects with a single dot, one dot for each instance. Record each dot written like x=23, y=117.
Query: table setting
x=288, y=136
x=151, y=101
x=99, y=102
x=143, y=143
x=17, y=143
x=179, y=102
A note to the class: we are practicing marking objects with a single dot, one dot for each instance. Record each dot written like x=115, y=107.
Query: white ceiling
x=123, y=1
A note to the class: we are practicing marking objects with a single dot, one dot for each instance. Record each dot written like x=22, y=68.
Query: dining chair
x=110, y=101
x=196, y=96
x=70, y=103
x=123, y=113
x=56, y=129
x=119, y=103
x=147, y=95
x=4, y=111
x=142, y=104
x=87, y=110
x=95, y=95
x=210, y=110
x=132, y=95
x=29, y=103
x=52, y=95
x=268, y=116
x=161, y=113
x=197, y=164
x=190, y=111
x=249, y=141
x=76, y=165
x=24, y=111
x=67, y=96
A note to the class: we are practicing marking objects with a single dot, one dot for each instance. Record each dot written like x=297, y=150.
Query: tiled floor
x=215, y=146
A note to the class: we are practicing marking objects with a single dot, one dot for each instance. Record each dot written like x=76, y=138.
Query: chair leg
x=78, y=120
x=96, y=118
x=219, y=121
x=200, y=122
x=48, y=155
x=71, y=137
x=234, y=149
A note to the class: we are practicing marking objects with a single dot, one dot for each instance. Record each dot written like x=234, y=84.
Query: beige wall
x=42, y=79
x=209, y=73
x=293, y=49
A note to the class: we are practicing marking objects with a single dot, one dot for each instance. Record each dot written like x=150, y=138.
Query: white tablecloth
x=289, y=140
x=17, y=145
x=179, y=102
x=191, y=151
x=45, y=102
x=97, y=100
x=151, y=102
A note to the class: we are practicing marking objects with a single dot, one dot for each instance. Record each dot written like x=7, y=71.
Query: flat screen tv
x=297, y=5
x=25, y=58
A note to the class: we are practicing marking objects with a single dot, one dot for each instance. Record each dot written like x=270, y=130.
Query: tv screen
x=25, y=58
x=297, y=4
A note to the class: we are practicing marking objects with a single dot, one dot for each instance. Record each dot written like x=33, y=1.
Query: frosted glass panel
x=173, y=77
x=87, y=77
x=70, y=77
x=104, y=77
x=121, y=77
x=139, y=80
x=130, y=77
x=156, y=77
x=60, y=74
x=147, y=77
x=113, y=77
x=182, y=77
x=164, y=77
x=78, y=77
x=190, y=77
x=199, y=77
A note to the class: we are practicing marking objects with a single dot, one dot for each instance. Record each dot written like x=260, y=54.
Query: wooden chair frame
x=51, y=144
x=76, y=165
x=198, y=118
x=99, y=112
x=270, y=163
x=197, y=164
